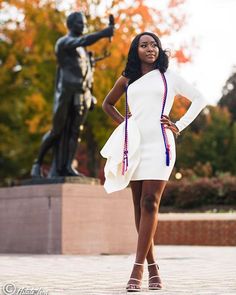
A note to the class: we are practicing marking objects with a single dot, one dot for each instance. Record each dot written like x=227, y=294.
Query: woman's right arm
x=112, y=97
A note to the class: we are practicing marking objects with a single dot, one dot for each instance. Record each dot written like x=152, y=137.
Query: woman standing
x=149, y=145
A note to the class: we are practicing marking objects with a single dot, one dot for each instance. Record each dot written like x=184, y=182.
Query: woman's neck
x=145, y=68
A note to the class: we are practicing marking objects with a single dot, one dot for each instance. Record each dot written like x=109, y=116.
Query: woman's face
x=148, y=50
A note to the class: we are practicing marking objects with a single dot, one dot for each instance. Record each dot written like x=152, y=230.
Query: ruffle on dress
x=113, y=152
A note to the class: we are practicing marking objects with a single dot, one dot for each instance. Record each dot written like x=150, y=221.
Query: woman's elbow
x=108, y=104
x=104, y=105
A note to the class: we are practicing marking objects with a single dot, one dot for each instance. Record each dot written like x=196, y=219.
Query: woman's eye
x=144, y=45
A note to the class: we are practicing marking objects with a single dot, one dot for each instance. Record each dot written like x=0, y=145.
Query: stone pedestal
x=66, y=218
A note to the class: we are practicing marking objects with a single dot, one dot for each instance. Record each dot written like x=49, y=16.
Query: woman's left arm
x=198, y=102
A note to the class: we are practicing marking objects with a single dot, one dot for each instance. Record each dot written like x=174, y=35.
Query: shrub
x=187, y=194
x=228, y=194
x=170, y=193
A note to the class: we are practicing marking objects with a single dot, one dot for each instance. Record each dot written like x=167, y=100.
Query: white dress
x=146, y=147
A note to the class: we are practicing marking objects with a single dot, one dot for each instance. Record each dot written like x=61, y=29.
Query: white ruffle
x=113, y=152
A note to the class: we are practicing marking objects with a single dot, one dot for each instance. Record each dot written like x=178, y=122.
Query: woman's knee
x=150, y=202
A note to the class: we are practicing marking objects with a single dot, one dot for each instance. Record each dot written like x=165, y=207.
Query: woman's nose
x=150, y=48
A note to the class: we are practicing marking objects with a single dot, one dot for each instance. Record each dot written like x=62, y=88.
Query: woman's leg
x=150, y=200
x=136, y=187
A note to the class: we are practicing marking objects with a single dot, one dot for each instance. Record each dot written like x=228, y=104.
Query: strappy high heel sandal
x=151, y=285
x=134, y=287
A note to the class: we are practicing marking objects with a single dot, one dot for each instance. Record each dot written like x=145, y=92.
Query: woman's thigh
x=153, y=188
x=136, y=188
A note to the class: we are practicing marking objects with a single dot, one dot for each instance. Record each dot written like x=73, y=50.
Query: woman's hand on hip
x=165, y=120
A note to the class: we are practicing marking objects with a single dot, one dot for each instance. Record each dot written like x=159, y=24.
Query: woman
x=149, y=146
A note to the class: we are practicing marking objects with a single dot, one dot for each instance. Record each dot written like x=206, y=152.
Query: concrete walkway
x=184, y=270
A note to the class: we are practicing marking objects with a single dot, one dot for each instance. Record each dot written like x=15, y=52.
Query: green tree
x=210, y=140
x=228, y=98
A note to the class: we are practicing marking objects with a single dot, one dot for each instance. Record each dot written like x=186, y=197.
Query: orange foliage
x=174, y=3
x=180, y=106
x=181, y=56
x=35, y=105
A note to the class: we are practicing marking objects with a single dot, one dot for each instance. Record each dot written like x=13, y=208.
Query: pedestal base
x=60, y=179
x=66, y=218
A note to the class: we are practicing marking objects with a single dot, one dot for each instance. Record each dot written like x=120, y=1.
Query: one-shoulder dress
x=146, y=143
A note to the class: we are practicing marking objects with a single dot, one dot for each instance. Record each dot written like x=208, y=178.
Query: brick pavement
x=184, y=270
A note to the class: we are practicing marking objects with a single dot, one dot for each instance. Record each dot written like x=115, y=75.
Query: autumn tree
x=28, y=66
x=28, y=34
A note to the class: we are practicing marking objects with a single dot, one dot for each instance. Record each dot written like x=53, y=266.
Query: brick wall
x=196, y=229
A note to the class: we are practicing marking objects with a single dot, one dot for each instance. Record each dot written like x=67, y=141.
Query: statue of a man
x=73, y=96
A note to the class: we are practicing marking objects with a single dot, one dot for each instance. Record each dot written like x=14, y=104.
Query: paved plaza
x=184, y=270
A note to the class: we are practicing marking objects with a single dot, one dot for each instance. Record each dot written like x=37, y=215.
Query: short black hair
x=132, y=69
x=72, y=17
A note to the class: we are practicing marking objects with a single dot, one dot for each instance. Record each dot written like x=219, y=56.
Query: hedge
x=187, y=194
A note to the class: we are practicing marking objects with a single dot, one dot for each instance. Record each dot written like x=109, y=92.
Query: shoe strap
x=134, y=280
x=136, y=263
x=154, y=264
x=133, y=287
x=154, y=277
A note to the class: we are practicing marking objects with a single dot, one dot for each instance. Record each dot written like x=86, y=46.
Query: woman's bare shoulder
x=122, y=81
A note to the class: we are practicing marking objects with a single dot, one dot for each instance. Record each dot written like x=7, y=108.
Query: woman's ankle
x=137, y=271
x=151, y=262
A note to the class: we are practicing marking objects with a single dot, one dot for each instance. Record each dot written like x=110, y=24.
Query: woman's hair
x=132, y=69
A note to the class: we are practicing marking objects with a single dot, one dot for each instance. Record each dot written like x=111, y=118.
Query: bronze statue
x=73, y=95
